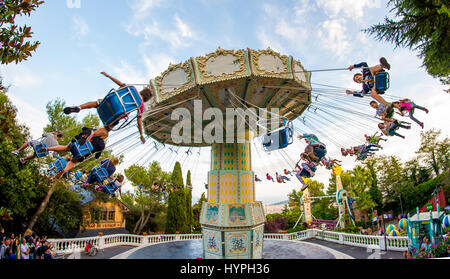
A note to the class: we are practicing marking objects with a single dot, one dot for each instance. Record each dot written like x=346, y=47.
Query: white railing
x=67, y=246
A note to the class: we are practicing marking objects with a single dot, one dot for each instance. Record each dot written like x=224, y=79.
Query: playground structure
x=232, y=221
x=429, y=224
x=342, y=201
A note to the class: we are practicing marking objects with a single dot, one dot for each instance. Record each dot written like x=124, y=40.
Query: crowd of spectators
x=27, y=247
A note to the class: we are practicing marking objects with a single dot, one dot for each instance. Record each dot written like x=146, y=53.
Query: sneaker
x=421, y=125
x=15, y=152
x=69, y=110
x=384, y=63
x=427, y=111
x=304, y=187
x=22, y=160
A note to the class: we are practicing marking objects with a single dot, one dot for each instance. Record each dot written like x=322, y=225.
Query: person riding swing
x=367, y=79
x=315, y=150
x=87, y=143
x=145, y=96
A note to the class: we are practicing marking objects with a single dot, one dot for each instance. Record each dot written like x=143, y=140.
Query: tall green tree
x=18, y=183
x=421, y=25
x=148, y=200
x=176, y=208
x=196, y=210
x=433, y=152
x=189, y=214
x=14, y=44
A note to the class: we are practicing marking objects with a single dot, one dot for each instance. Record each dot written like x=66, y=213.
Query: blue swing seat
x=78, y=176
x=78, y=151
x=382, y=82
x=284, y=138
x=100, y=174
x=110, y=188
x=38, y=150
x=57, y=166
x=320, y=153
x=118, y=104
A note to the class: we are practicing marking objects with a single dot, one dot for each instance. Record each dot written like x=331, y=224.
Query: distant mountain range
x=280, y=203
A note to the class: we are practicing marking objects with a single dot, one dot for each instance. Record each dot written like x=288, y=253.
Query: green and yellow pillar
x=232, y=221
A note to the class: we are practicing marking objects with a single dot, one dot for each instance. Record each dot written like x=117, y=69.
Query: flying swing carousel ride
x=276, y=86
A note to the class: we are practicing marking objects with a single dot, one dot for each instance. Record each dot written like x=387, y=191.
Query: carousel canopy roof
x=227, y=79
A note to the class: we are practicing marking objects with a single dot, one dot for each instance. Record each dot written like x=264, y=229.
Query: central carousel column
x=232, y=221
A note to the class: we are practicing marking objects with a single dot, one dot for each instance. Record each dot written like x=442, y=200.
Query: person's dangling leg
x=414, y=106
x=89, y=105
x=378, y=98
x=398, y=135
x=25, y=145
x=59, y=148
x=411, y=116
x=70, y=165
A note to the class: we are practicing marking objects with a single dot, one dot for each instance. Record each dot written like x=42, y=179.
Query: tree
x=18, y=183
x=196, y=210
x=433, y=152
x=70, y=127
x=13, y=44
x=422, y=25
x=189, y=215
x=361, y=182
x=176, y=210
x=147, y=200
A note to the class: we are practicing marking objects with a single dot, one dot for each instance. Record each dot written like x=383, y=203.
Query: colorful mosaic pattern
x=228, y=188
x=237, y=243
x=258, y=238
x=212, y=188
x=237, y=214
x=215, y=157
x=228, y=156
x=212, y=241
x=212, y=214
x=244, y=157
x=247, y=186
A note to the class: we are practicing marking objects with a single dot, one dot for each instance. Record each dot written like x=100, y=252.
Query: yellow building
x=106, y=217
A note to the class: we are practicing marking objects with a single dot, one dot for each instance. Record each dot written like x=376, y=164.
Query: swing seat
x=57, y=166
x=279, y=139
x=100, y=174
x=78, y=176
x=110, y=188
x=118, y=104
x=382, y=82
x=38, y=150
x=320, y=153
x=78, y=151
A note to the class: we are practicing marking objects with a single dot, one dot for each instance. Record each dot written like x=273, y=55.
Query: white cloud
x=80, y=28
x=352, y=9
x=31, y=116
x=333, y=35
x=21, y=76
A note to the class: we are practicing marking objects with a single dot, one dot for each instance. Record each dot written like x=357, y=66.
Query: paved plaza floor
x=273, y=249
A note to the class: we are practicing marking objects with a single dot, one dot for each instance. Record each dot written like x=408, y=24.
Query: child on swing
x=329, y=163
x=389, y=128
x=407, y=105
x=96, y=137
x=49, y=139
x=116, y=183
x=306, y=171
x=367, y=77
x=145, y=95
x=375, y=140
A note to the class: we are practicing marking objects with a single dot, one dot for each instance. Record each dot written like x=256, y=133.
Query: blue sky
x=135, y=40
